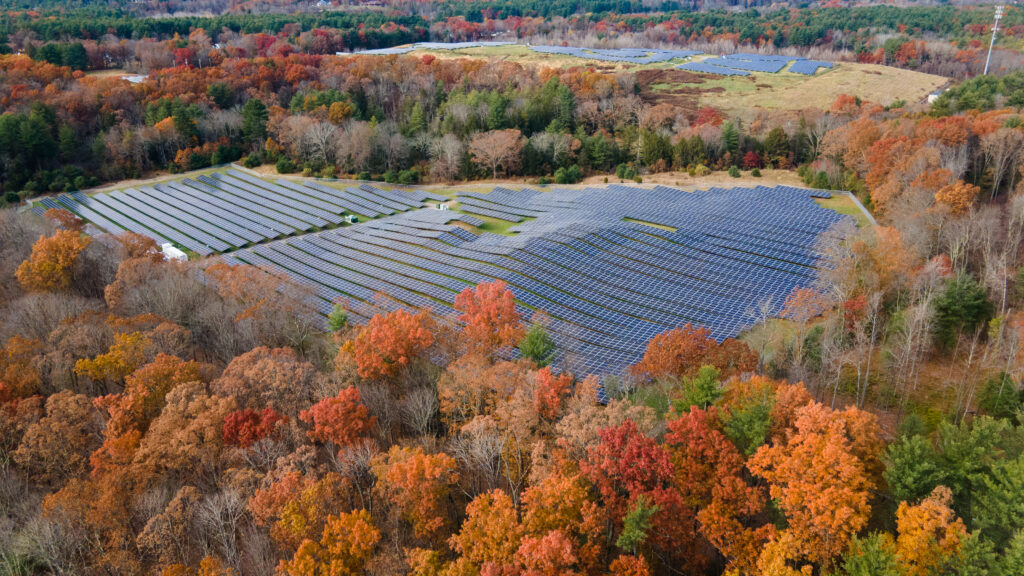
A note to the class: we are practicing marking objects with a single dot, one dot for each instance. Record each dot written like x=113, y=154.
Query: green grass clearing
x=843, y=204
x=495, y=225
x=651, y=224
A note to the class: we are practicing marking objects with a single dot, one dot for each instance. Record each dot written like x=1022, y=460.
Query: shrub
x=329, y=172
x=756, y=172
x=285, y=165
x=821, y=180
x=410, y=176
x=734, y=172
x=391, y=177
x=364, y=175
x=251, y=161
x=961, y=308
x=570, y=175
x=701, y=170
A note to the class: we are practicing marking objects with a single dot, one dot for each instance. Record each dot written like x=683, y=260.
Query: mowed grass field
x=788, y=91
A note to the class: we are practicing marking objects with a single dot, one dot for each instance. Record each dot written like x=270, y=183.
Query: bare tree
x=419, y=408
x=1002, y=150
x=498, y=149
x=446, y=153
x=220, y=515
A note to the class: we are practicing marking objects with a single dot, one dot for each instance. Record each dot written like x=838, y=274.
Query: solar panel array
x=633, y=55
x=744, y=64
x=728, y=65
x=429, y=46
x=608, y=281
x=808, y=67
x=221, y=212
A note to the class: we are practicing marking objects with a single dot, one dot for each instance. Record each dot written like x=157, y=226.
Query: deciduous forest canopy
x=195, y=418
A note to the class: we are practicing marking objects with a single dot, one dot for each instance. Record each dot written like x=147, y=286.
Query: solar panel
x=612, y=266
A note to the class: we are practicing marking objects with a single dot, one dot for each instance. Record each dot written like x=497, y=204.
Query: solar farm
x=745, y=64
x=610, y=266
x=726, y=65
x=225, y=211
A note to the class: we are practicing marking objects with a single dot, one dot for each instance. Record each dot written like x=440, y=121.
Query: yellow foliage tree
x=347, y=543
x=49, y=267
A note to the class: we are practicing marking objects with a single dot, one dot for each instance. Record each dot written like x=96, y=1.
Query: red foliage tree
x=245, y=427
x=490, y=317
x=551, y=390
x=340, y=419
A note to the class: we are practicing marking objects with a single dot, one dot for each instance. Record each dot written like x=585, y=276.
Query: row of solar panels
x=225, y=211
x=744, y=64
x=608, y=285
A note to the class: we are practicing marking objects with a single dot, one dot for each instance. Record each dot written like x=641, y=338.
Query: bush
x=821, y=180
x=734, y=172
x=701, y=170
x=285, y=165
x=391, y=177
x=410, y=176
x=251, y=161
x=961, y=308
x=12, y=198
x=364, y=175
x=756, y=172
x=570, y=175
x=999, y=396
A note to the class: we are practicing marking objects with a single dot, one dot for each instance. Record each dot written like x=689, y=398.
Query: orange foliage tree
x=958, y=196
x=682, y=352
x=417, y=484
x=388, y=342
x=19, y=377
x=50, y=266
x=490, y=316
x=930, y=534
x=820, y=481
x=490, y=534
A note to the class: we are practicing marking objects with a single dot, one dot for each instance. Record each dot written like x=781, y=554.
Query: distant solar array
x=633, y=55
x=431, y=46
x=225, y=211
x=744, y=64
x=589, y=258
x=727, y=65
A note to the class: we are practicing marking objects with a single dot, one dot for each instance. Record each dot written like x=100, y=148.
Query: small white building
x=172, y=253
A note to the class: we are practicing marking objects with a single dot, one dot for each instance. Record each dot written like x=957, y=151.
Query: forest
x=192, y=418
x=246, y=88
x=164, y=417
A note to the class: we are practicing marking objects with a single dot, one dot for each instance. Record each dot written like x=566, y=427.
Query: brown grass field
x=743, y=96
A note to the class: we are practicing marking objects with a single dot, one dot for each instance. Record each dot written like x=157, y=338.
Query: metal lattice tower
x=995, y=29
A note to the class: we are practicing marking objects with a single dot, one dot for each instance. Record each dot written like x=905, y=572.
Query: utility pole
x=995, y=28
